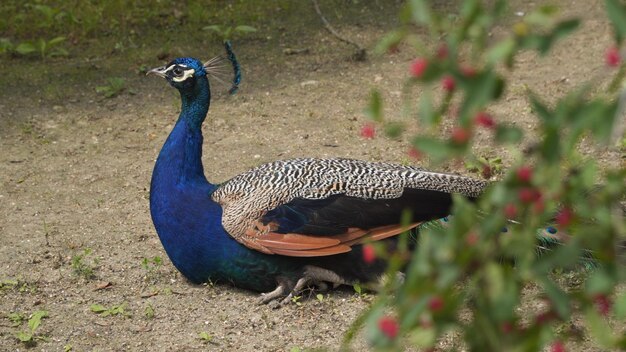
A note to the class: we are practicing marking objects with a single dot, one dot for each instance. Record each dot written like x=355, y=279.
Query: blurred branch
x=360, y=54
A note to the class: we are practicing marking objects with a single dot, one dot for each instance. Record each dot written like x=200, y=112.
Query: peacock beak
x=159, y=71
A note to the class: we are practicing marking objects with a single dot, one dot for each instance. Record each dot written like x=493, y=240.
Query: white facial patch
x=187, y=73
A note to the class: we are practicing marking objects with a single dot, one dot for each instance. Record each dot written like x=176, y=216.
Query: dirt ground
x=75, y=172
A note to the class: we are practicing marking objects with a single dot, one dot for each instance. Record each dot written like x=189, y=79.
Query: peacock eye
x=177, y=71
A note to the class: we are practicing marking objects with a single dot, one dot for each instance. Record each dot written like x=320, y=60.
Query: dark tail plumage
x=548, y=239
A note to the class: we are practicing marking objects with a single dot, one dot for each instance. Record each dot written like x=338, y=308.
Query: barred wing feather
x=318, y=207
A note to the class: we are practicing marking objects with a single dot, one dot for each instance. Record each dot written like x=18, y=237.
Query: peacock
x=286, y=225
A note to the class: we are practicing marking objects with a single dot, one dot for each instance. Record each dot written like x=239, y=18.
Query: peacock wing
x=318, y=207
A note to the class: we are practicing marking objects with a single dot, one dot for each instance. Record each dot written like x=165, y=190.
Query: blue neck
x=183, y=213
x=196, y=101
x=186, y=218
x=181, y=155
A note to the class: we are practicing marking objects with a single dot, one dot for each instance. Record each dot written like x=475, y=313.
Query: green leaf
x=543, y=43
x=59, y=52
x=560, y=299
x=25, y=48
x=56, y=41
x=604, y=122
x=420, y=11
x=600, y=282
x=374, y=108
x=543, y=16
x=561, y=30
x=540, y=109
x=245, y=29
x=562, y=256
x=617, y=14
x=390, y=40
x=214, y=27
x=599, y=328
x=47, y=11
x=394, y=129
x=357, y=288
x=481, y=90
x=508, y=134
x=503, y=51
x=423, y=337
x=551, y=148
x=16, y=318
x=35, y=320
x=5, y=45
x=226, y=32
x=97, y=308
x=426, y=110
x=205, y=336
x=107, y=91
x=436, y=149
x=41, y=45
x=24, y=336
x=564, y=28
x=500, y=7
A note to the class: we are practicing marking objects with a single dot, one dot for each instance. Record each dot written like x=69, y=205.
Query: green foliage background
x=469, y=279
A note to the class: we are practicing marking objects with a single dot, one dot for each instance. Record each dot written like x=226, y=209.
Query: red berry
x=471, y=239
x=388, y=326
x=418, y=67
x=414, y=153
x=468, y=71
x=524, y=174
x=448, y=83
x=506, y=327
x=564, y=217
x=528, y=195
x=460, y=135
x=369, y=253
x=484, y=119
x=557, y=346
x=435, y=304
x=545, y=317
x=368, y=131
x=613, y=57
x=603, y=304
x=510, y=211
x=442, y=52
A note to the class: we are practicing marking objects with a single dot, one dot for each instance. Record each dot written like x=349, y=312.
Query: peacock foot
x=273, y=296
x=312, y=276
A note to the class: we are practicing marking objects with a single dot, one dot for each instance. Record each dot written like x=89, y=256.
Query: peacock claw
x=268, y=297
x=312, y=276
x=302, y=283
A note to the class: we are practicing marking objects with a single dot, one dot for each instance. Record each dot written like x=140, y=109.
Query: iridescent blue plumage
x=185, y=217
x=283, y=225
x=189, y=222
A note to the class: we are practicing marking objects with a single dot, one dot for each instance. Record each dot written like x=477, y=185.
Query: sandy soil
x=74, y=175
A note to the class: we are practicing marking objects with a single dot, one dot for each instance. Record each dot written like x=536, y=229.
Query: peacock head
x=181, y=73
